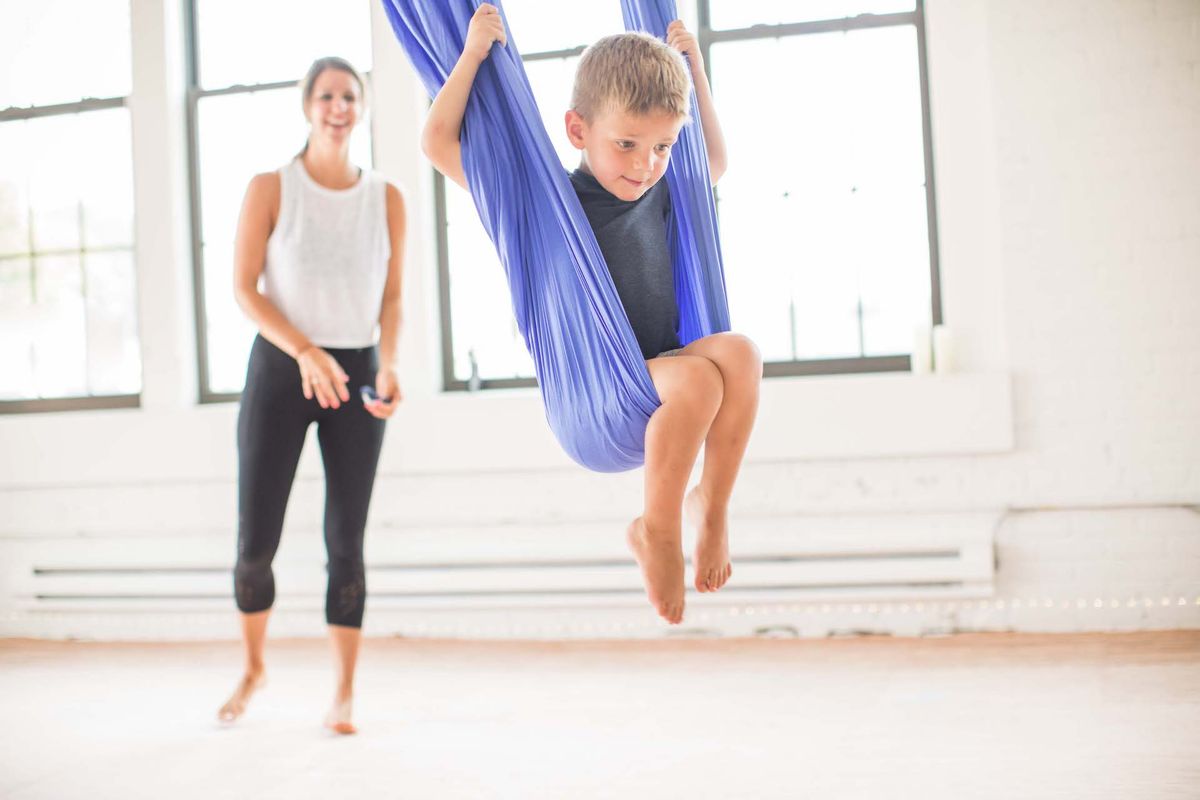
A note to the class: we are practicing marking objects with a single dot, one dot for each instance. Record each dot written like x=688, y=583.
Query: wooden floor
x=1017, y=717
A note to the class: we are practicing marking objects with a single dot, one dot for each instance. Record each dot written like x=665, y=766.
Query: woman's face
x=334, y=106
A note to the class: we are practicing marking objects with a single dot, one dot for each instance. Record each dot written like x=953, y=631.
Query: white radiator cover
x=541, y=581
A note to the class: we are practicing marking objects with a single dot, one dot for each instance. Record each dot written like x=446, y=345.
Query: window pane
x=14, y=189
x=54, y=170
x=894, y=264
x=825, y=240
x=481, y=311
x=106, y=184
x=229, y=332
x=60, y=336
x=68, y=336
x=61, y=51
x=539, y=26
x=479, y=297
x=552, y=80
x=727, y=14
x=114, y=363
x=276, y=40
x=241, y=135
x=16, y=329
x=73, y=196
x=759, y=276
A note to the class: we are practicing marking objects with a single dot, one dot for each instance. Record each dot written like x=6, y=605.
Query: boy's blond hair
x=631, y=72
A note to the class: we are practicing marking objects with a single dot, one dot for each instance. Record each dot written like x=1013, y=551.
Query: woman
x=326, y=239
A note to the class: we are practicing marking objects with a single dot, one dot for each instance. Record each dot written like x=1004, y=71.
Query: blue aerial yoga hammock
x=595, y=386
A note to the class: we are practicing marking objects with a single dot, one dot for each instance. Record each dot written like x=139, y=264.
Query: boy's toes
x=712, y=580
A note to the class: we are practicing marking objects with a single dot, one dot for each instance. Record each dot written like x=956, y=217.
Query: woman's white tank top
x=327, y=259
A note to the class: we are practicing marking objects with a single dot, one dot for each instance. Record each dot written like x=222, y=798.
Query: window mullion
x=15, y=113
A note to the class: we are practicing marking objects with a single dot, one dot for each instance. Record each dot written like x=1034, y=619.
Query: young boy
x=629, y=103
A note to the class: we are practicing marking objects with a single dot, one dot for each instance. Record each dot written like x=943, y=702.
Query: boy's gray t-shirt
x=633, y=239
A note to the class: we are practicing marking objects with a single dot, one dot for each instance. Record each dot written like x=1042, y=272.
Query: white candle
x=922, y=354
x=943, y=350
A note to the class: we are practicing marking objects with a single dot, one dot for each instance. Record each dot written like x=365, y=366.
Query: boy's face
x=625, y=153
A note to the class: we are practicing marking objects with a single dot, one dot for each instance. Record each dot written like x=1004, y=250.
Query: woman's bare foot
x=338, y=718
x=235, y=706
x=711, y=559
x=661, y=560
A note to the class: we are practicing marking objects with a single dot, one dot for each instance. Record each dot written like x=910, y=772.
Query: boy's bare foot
x=661, y=560
x=338, y=718
x=712, y=542
x=235, y=706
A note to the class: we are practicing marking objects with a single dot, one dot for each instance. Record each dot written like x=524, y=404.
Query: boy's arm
x=682, y=40
x=440, y=138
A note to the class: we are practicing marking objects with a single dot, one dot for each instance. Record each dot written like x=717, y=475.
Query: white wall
x=1067, y=160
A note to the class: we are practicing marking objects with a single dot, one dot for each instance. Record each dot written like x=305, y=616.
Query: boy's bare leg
x=345, y=641
x=254, y=636
x=707, y=505
x=690, y=390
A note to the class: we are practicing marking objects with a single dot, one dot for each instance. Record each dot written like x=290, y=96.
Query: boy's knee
x=697, y=382
x=742, y=351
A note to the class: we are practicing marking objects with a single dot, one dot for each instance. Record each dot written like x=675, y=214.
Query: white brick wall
x=1067, y=137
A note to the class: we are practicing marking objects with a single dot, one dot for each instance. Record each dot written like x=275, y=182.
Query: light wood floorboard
x=970, y=716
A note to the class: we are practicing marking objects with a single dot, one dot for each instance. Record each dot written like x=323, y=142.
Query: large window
x=68, y=300
x=246, y=60
x=826, y=210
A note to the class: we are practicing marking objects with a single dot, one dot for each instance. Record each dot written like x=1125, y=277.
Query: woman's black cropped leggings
x=272, y=424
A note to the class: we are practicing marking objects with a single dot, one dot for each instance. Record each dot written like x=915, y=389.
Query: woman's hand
x=685, y=42
x=388, y=390
x=486, y=27
x=322, y=377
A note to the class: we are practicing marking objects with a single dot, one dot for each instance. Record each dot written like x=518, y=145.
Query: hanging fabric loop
x=595, y=386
